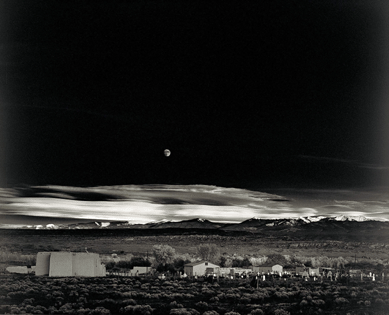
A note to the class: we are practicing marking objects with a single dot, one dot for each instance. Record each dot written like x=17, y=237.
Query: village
x=83, y=264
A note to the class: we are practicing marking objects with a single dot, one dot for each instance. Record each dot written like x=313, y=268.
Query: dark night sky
x=244, y=93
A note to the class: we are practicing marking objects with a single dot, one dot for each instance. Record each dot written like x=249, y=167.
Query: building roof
x=195, y=263
x=68, y=253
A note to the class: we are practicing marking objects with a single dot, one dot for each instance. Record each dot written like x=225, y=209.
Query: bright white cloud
x=142, y=204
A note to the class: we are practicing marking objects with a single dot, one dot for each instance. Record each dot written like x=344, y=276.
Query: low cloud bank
x=147, y=203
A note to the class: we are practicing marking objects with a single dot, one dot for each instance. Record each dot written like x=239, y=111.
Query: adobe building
x=68, y=264
x=200, y=268
x=262, y=269
x=277, y=268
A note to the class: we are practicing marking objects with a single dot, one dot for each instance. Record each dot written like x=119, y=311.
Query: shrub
x=318, y=302
x=184, y=311
x=202, y=306
x=179, y=311
x=129, y=302
x=124, y=264
x=245, y=300
x=137, y=310
x=257, y=311
x=110, y=265
x=174, y=304
x=140, y=261
x=379, y=301
x=100, y=311
x=281, y=312
x=341, y=300
x=303, y=303
x=15, y=310
x=67, y=308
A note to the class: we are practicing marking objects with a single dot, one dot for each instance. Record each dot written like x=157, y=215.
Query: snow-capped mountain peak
x=350, y=218
x=51, y=226
x=312, y=218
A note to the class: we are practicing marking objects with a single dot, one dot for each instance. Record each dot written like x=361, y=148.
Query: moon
x=167, y=152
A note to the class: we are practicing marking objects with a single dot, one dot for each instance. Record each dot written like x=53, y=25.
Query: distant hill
x=294, y=230
x=251, y=225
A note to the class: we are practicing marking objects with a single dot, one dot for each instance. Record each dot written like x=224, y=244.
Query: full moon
x=167, y=152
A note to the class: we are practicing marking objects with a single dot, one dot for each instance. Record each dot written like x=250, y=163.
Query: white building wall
x=101, y=270
x=42, y=264
x=61, y=264
x=84, y=264
x=277, y=268
x=200, y=269
x=67, y=264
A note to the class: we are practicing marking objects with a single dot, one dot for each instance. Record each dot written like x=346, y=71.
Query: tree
x=140, y=261
x=222, y=261
x=180, y=263
x=209, y=252
x=164, y=254
x=276, y=259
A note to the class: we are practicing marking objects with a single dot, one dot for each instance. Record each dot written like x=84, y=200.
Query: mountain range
x=252, y=225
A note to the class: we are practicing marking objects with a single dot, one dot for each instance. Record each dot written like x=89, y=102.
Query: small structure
x=355, y=273
x=200, y=268
x=140, y=270
x=240, y=271
x=315, y=271
x=327, y=271
x=226, y=272
x=262, y=269
x=300, y=270
x=68, y=264
x=21, y=269
x=268, y=269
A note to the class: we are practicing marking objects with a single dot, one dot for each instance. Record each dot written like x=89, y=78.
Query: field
x=150, y=295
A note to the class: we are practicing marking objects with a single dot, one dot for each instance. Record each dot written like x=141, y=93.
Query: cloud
x=146, y=203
